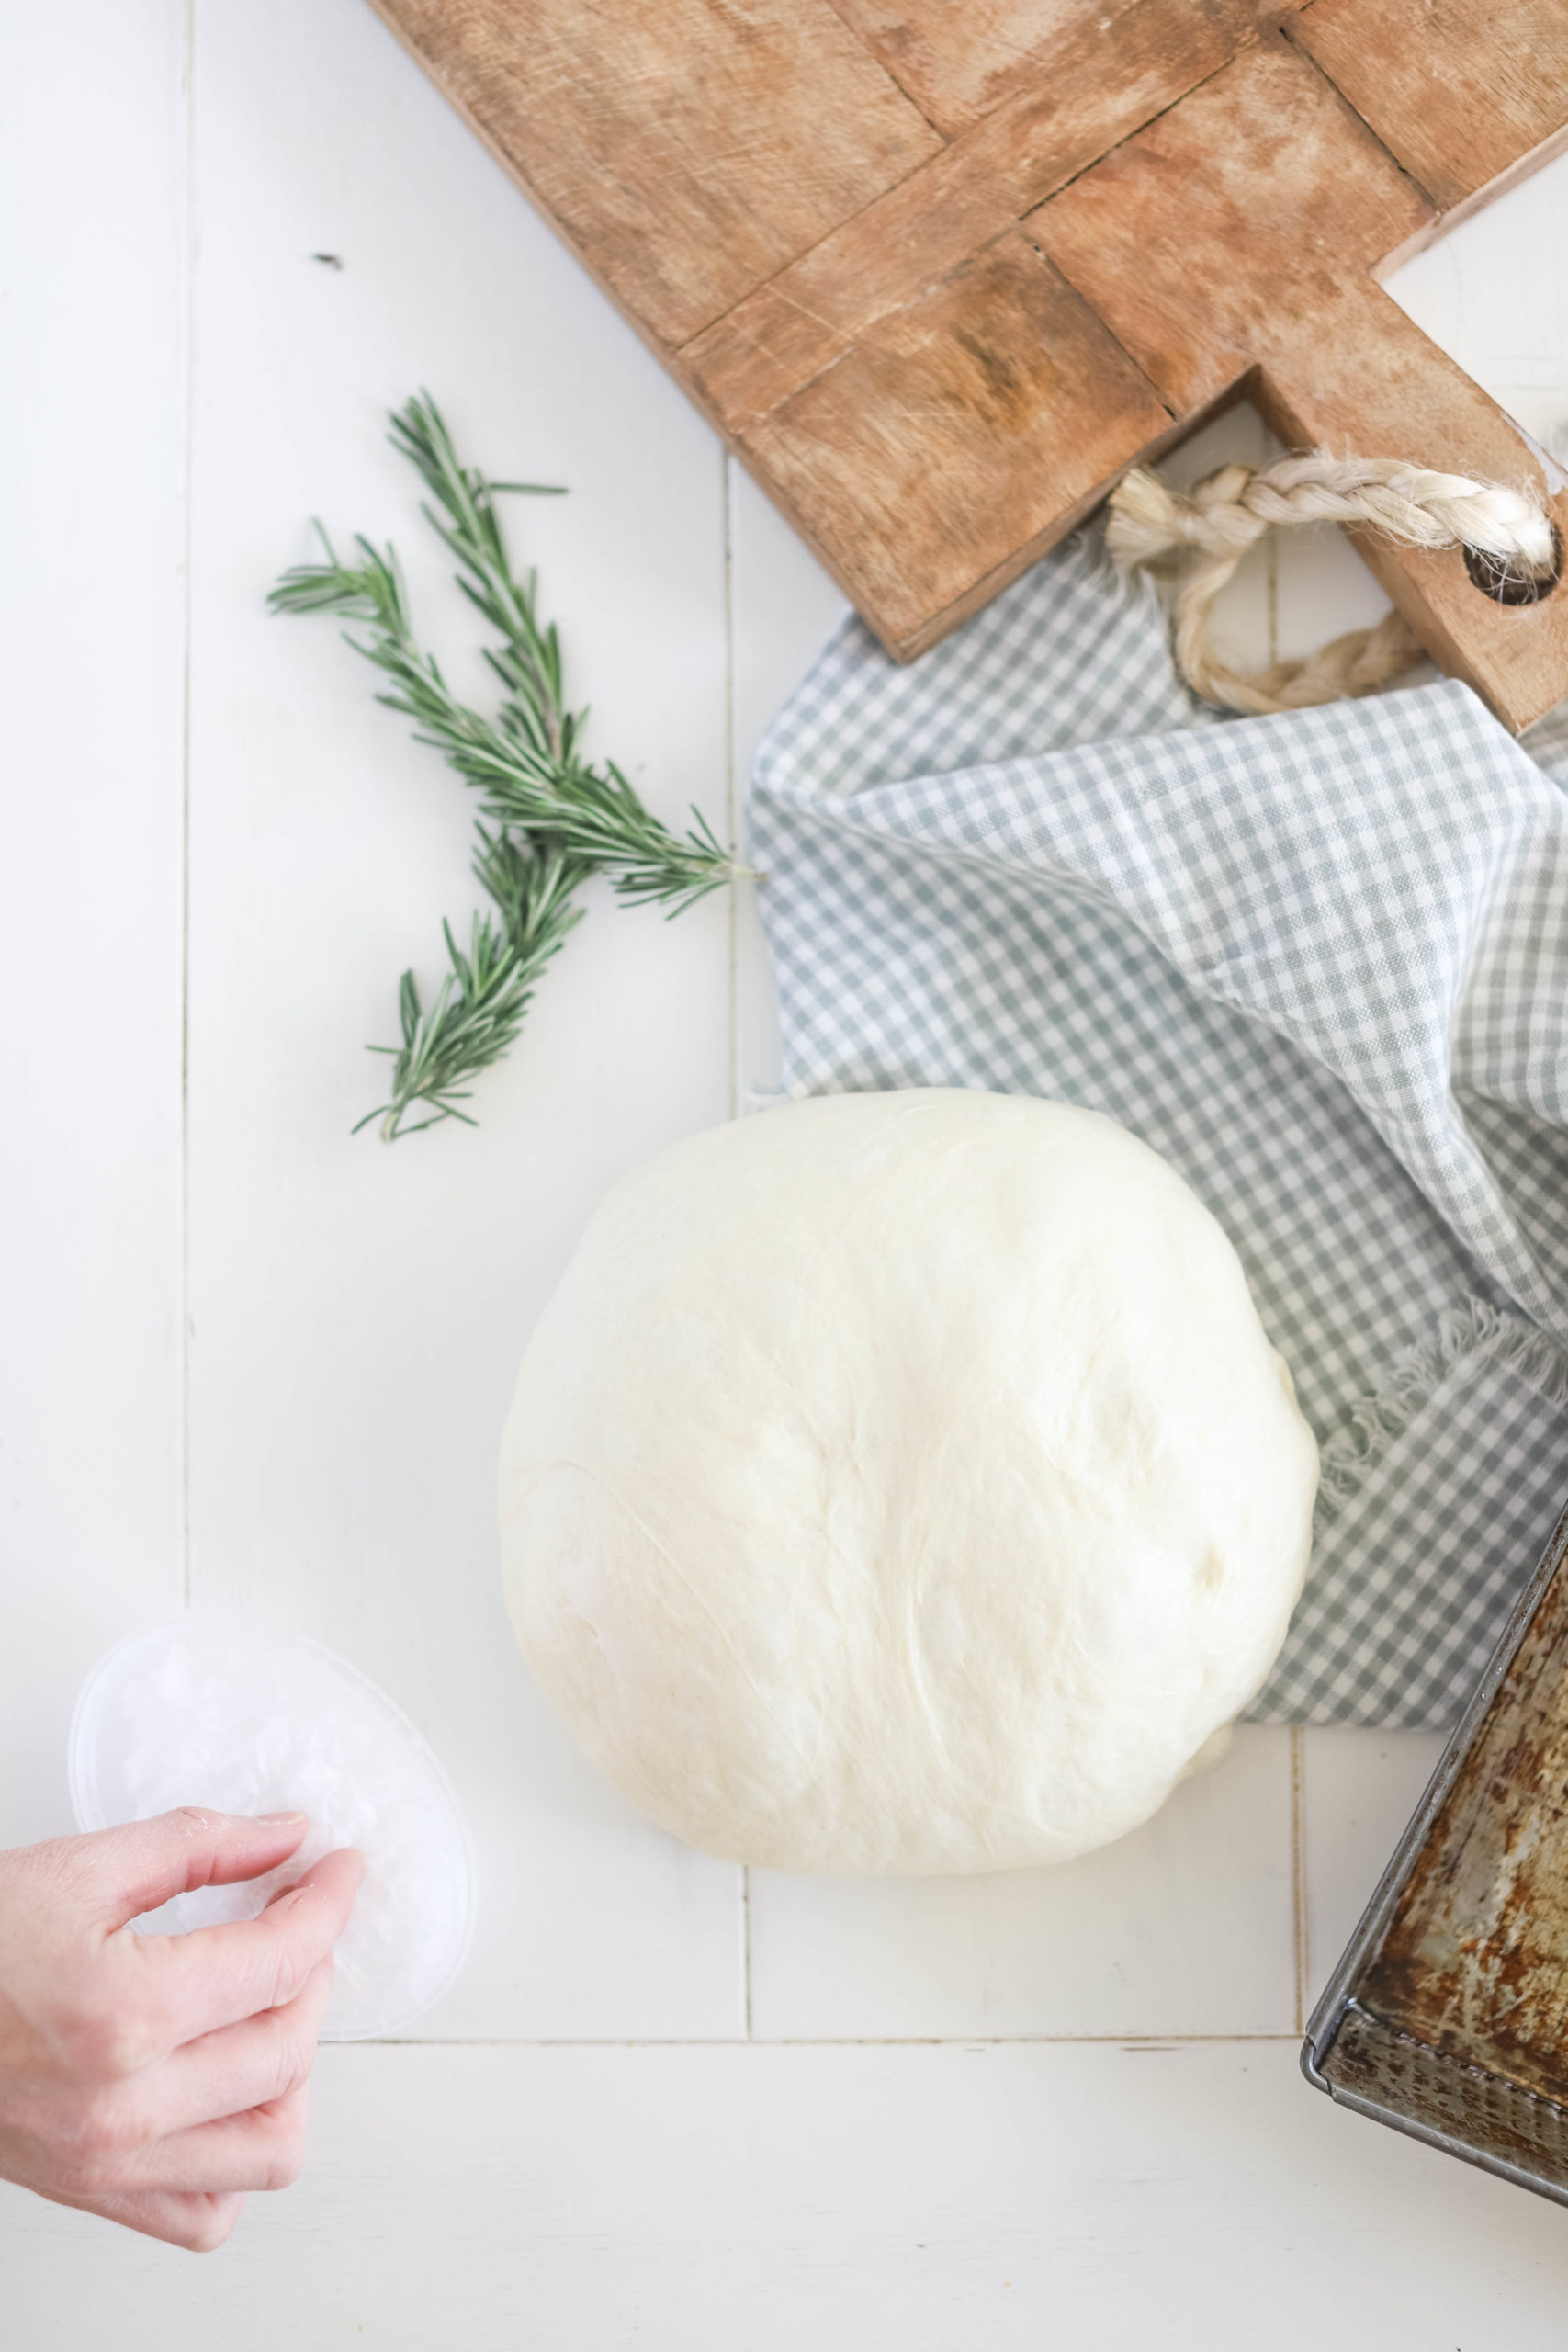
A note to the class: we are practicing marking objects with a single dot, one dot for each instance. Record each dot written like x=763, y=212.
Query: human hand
x=154, y=2079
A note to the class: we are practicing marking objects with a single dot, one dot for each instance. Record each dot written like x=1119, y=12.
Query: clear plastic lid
x=204, y=1711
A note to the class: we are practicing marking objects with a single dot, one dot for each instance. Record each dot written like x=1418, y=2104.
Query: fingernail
x=282, y=1820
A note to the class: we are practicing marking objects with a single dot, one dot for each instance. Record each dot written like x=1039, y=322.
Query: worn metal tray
x=1447, y=2016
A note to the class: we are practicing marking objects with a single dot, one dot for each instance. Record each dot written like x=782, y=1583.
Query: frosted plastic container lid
x=204, y=1711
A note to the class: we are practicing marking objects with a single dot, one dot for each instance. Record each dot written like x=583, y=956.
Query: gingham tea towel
x=1319, y=961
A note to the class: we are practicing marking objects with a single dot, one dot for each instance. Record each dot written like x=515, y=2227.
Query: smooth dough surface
x=903, y=1483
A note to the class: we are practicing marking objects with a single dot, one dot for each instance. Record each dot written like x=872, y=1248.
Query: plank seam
x=1152, y=2042
x=187, y=426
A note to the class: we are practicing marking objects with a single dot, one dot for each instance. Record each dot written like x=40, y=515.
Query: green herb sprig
x=554, y=817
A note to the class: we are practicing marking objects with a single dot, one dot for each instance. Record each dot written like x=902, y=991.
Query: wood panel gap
x=1153, y=2042
x=1391, y=262
x=187, y=435
x=1300, y=1917
x=896, y=79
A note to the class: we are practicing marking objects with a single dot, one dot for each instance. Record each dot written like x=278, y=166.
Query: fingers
x=122, y=1872
x=198, y=2223
x=262, y=2150
x=159, y=2078
x=186, y=1986
x=172, y=2152
x=234, y=2069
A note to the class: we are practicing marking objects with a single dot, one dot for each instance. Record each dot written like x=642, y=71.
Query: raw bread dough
x=903, y=1483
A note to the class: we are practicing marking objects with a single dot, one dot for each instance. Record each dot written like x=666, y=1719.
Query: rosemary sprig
x=479, y=1006
x=558, y=819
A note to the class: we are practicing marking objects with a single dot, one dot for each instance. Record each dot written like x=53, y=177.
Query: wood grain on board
x=988, y=403
x=958, y=62
x=1261, y=187
x=940, y=270
x=1108, y=77
x=1463, y=92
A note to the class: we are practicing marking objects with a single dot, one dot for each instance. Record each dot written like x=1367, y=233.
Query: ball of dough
x=903, y=1483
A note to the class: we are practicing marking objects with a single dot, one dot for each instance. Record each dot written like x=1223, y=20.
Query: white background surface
x=249, y=1357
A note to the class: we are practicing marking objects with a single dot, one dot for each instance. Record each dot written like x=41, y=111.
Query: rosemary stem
x=548, y=819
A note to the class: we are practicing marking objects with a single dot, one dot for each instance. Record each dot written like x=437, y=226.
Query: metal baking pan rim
x=1471, y=2066
x=1324, y=2023
x=1515, y=2174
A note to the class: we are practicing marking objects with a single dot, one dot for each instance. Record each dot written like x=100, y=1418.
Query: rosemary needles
x=549, y=819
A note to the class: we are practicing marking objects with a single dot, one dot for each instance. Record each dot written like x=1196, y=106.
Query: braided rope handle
x=1204, y=537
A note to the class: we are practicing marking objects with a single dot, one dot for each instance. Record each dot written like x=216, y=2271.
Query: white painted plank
x=1184, y=1928
x=92, y=161
x=358, y=1310
x=1197, y=2199
x=1359, y=1790
x=785, y=607
x=1494, y=295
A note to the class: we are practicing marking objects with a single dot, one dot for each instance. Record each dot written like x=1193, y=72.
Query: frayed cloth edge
x=1477, y=1330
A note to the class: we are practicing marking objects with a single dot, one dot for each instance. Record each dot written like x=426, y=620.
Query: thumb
x=121, y=1872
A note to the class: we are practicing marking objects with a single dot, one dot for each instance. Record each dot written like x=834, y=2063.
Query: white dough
x=903, y=1483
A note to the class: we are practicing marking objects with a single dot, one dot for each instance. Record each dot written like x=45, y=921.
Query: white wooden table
x=250, y=1359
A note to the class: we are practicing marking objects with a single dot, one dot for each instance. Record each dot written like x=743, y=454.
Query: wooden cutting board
x=941, y=270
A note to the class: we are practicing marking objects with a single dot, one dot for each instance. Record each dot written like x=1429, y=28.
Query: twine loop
x=1203, y=537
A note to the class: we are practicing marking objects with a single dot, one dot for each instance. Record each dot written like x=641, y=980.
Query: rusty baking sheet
x=1447, y=2016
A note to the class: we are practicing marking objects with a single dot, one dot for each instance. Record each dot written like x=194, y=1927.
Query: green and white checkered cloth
x=1319, y=961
